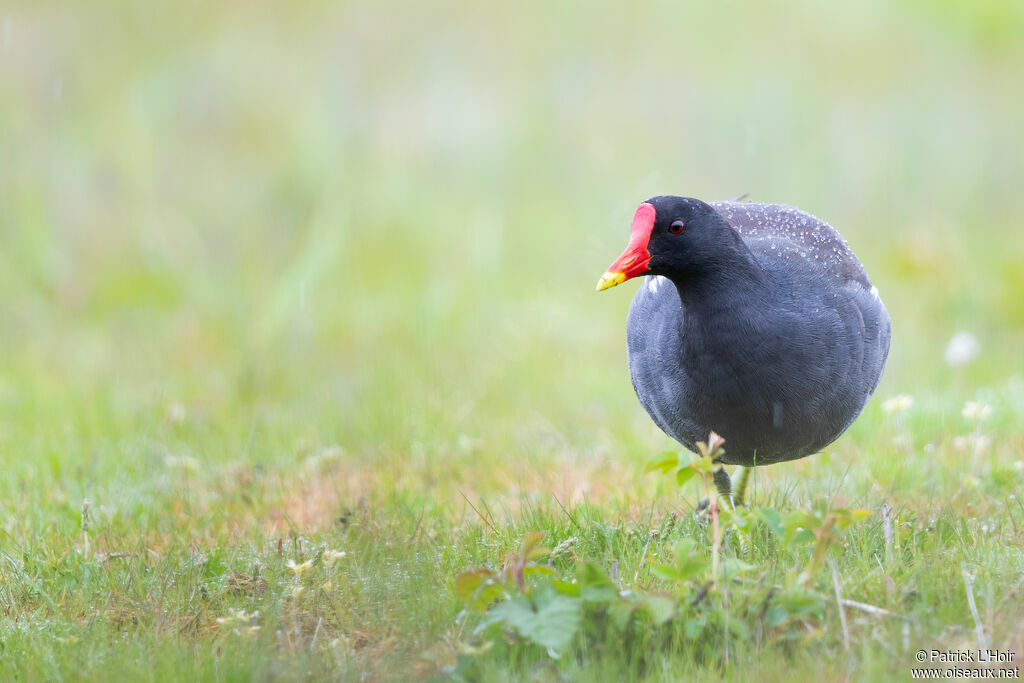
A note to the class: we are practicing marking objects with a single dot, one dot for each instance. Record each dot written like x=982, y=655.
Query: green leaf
x=776, y=615
x=600, y=594
x=690, y=561
x=684, y=475
x=566, y=588
x=490, y=593
x=590, y=574
x=665, y=571
x=798, y=603
x=467, y=583
x=662, y=608
x=538, y=570
x=550, y=621
x=595, y=585
x=773, y=520
x=740, y=518
x=693, y=627
x=478, y=589
x=739, y=628
x=704, y=465
x=802, y=536
x=621, y=613
x=861, y=515
x=665, y=462
x=735, y=567
x=802, y=518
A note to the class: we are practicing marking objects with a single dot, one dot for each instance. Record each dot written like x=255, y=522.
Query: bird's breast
x=777, y=383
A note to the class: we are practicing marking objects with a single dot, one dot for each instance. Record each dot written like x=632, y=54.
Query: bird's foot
x=732, y=491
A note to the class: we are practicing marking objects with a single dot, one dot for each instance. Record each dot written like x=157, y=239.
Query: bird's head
x=678, y=237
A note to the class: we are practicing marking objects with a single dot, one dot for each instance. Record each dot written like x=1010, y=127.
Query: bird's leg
x=724, y=486
x=732, y=490
x=739, y=492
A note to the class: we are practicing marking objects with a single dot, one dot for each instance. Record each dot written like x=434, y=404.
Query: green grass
x=278, y=281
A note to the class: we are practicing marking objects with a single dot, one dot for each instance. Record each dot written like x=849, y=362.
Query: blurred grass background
x=243, y=235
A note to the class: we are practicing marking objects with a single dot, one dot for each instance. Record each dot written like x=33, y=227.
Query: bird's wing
x=755, y=221
x=819, y=243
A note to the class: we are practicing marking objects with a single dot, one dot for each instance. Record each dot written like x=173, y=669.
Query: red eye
x=676, y=228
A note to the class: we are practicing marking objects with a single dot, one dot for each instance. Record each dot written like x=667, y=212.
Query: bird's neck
x=736, y=281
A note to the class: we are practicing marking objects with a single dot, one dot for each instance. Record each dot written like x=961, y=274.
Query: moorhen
x=756, y=321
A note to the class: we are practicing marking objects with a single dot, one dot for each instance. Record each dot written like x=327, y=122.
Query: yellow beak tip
x=610, y=279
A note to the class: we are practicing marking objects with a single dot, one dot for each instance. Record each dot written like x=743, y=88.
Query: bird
x=756, y=321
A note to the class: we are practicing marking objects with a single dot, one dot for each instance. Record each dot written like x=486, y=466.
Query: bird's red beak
x=636, y=260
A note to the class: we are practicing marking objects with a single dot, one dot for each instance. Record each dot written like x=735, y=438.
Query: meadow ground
x=282, y=283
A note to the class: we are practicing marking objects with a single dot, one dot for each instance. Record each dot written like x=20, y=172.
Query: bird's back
x=758, y=222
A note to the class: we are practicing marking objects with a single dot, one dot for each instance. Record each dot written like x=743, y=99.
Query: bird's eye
x=676, y=228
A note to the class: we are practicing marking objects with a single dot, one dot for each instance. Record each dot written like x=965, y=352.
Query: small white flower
x=467, y=444
x=300, y=569
x=564, y=547
x=330, y=556
x=240, y=616
x=176, y=413
x=976, y=411
x=962, y=348
x=898, y=404
x=183, y=462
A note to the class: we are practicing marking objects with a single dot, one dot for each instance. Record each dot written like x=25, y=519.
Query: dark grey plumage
x=761, y=326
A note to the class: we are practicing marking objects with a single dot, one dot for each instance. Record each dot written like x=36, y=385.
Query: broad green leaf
x=490, y=593
x=703, y=465
x=693, y=627
x=600, y=594
x=538, y=570
x=776, y=615
x=861, y=515
x=798, y=603
x=725, y=516
x=467, y=583
x=662, y=607
x=773, y=520
x=478, y=589
x=595, y=585
x=665, y=571
x=802, y=536
x=684, y=474
x=735, y=567
x=590, y=574
x=621, y=613
x=739, y=628
x=690, y=562
x=551, y=621
x=802, y=518
x=740, y=518
x=665, y=462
